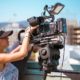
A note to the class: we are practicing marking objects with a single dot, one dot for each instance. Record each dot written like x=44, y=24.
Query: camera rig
x=49, y=36
x=50, y=33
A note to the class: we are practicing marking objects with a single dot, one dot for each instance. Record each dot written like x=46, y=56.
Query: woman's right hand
x=30, y=29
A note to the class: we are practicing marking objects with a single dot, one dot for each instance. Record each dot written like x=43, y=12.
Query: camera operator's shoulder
x=10, y=72
x=10, y=67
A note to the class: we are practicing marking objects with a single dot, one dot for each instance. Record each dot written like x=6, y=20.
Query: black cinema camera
x=49, y=36
x=49, y=27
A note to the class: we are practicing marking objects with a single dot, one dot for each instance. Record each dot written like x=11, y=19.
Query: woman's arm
x=16, y=49
x=15, y=56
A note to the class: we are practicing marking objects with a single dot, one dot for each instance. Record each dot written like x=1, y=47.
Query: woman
x=7, y=70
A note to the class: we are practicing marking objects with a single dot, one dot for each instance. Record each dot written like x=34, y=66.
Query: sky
x=18, y=10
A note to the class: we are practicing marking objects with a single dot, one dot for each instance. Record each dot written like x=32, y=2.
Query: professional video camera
x=49, y=36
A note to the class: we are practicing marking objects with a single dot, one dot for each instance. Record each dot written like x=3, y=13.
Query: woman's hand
x=30, y=29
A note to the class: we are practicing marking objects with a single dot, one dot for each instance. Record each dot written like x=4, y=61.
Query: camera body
x=48, y=27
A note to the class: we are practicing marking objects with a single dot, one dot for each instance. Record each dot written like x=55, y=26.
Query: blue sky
x=17, y=10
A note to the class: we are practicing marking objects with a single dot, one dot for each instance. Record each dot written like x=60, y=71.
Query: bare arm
x=16, y=49
x=15, y=56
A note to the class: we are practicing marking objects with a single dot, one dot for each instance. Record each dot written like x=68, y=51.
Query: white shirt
x=10, y=72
